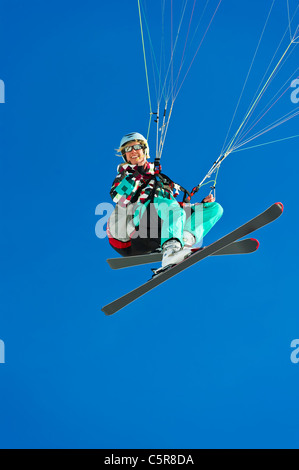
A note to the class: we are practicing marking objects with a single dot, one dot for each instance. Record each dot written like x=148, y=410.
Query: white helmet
x=130, y=138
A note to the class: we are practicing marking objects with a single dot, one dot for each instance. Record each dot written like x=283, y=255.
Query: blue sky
x=203, y=361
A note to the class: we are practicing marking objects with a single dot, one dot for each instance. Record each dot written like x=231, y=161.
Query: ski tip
x=280, y=204
x=256, y=242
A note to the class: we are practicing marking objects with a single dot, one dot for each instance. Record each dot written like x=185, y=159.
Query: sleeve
x=127, y=182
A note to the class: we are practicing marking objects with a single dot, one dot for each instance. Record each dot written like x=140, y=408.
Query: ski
x=269, y=215
x=249, y=245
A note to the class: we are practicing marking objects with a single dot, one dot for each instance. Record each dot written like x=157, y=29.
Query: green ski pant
x=197, y=219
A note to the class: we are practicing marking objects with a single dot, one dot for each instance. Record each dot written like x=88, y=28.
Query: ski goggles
x=129, y=148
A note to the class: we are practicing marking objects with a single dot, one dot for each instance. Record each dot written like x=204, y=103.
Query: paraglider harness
x=122, y=244
x=161, y=179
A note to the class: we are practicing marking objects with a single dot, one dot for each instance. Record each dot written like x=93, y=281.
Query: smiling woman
x=145, y=204
x=135, y=154
x=133, y=142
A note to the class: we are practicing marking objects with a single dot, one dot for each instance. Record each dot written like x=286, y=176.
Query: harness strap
x=165, y=179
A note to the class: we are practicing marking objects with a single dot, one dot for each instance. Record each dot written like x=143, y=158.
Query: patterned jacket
x=136, y=184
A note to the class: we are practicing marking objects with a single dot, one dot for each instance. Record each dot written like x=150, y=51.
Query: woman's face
x=135, y=157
